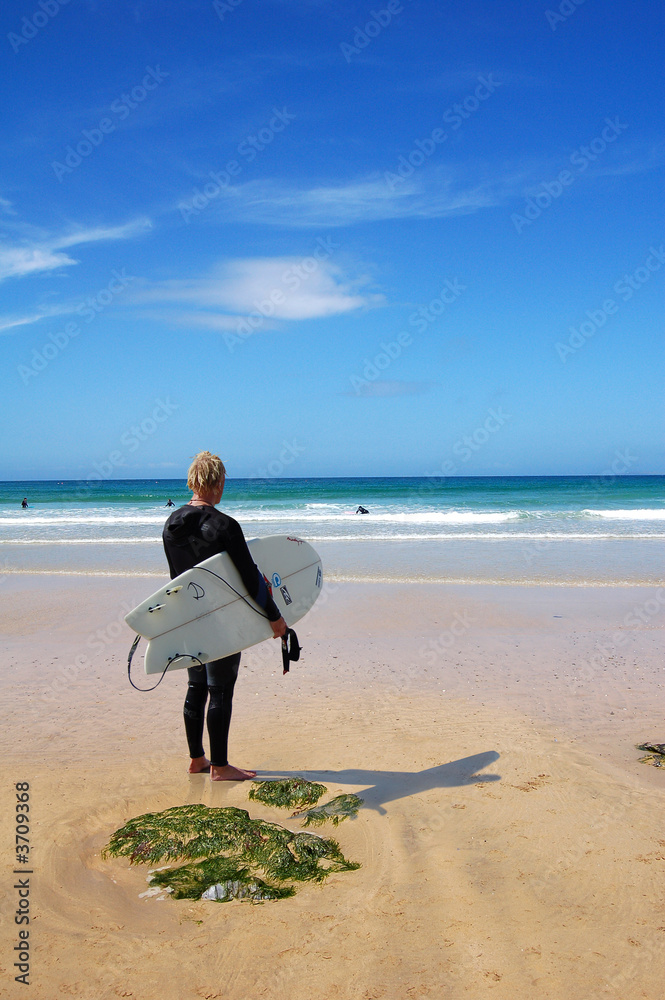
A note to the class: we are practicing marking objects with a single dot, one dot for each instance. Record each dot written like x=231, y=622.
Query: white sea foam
x=156, y=539
x=265, y=516
x=646, y=514
x=73, y=517
x=493, y=536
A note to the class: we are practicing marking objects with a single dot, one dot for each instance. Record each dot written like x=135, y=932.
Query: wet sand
x=511, y=843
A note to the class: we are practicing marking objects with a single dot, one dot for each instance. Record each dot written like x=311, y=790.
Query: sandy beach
x=510, y=840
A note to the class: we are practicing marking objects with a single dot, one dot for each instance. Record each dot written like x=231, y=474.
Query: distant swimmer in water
x=362, y=510
x=170, y=503
x=24, y=502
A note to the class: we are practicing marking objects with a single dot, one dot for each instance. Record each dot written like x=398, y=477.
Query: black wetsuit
x=191, y=534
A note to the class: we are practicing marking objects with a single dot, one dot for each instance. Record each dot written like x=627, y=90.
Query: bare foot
x=198, y=765
x=230, y=773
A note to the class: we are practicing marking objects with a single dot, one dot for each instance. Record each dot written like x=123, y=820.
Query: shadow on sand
x=388, y=786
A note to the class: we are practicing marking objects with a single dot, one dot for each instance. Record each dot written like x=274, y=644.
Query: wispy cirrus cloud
x=401, y=190
x=31, y=254
x=275, y=288
x=429, y=194
x=13, y=320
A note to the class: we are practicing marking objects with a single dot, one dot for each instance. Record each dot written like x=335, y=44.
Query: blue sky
x=332, y=238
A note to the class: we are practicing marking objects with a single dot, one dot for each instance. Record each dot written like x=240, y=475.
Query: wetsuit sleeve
x=251, y=575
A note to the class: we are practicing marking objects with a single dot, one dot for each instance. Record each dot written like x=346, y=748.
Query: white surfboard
x=207, y=613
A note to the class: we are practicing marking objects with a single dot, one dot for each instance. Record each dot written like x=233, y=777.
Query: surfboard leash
x=176, y=656
x=236, y=592
x=290, y=649
x=290, y=645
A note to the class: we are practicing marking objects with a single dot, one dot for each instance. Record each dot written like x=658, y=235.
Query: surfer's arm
x=249, y=572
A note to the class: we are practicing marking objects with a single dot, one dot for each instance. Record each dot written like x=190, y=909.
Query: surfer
x=169, y=503
x=362, y=510
x=193, y=533
x=24, y=502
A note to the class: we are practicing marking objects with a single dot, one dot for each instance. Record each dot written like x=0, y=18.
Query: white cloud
x=428, y=193
x=37, y=255
x=11, y=322
x=17, y=261
x=278, y=288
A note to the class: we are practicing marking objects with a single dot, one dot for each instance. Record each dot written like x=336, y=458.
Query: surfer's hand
x=278, y=628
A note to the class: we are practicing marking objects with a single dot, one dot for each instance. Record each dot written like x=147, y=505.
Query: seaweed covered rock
x=287, y=793
x=233, y=848
x=255, y=890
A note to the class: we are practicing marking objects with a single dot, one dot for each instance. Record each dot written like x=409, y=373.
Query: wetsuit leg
x=222, y=675
x=194, y=710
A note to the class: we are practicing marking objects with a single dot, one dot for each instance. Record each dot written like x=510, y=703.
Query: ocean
x=577, y=530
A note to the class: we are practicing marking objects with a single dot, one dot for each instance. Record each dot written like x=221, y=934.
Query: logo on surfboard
x=198, y=591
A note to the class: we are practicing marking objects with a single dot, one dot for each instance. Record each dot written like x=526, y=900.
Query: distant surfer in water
x=193, y=533
x=24, y=502
x=169, y=503
x=362, y=510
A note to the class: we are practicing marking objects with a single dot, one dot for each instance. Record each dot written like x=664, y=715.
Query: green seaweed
x=655, y=756
x=337, y=810
x=192, y=880
x=287, y=793
x=224, y=845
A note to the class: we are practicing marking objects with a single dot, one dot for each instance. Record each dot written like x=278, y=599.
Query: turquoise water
x=578, y=529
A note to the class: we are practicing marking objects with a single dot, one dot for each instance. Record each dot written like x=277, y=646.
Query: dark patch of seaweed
x=655, y=756
x=234, y=848
x=338, y=809
x=191, y=881
x=287, y=793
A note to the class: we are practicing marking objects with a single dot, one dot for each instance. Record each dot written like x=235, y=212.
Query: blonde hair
x=205, y=473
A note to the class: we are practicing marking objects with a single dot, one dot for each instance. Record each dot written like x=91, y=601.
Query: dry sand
x=511, y=844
